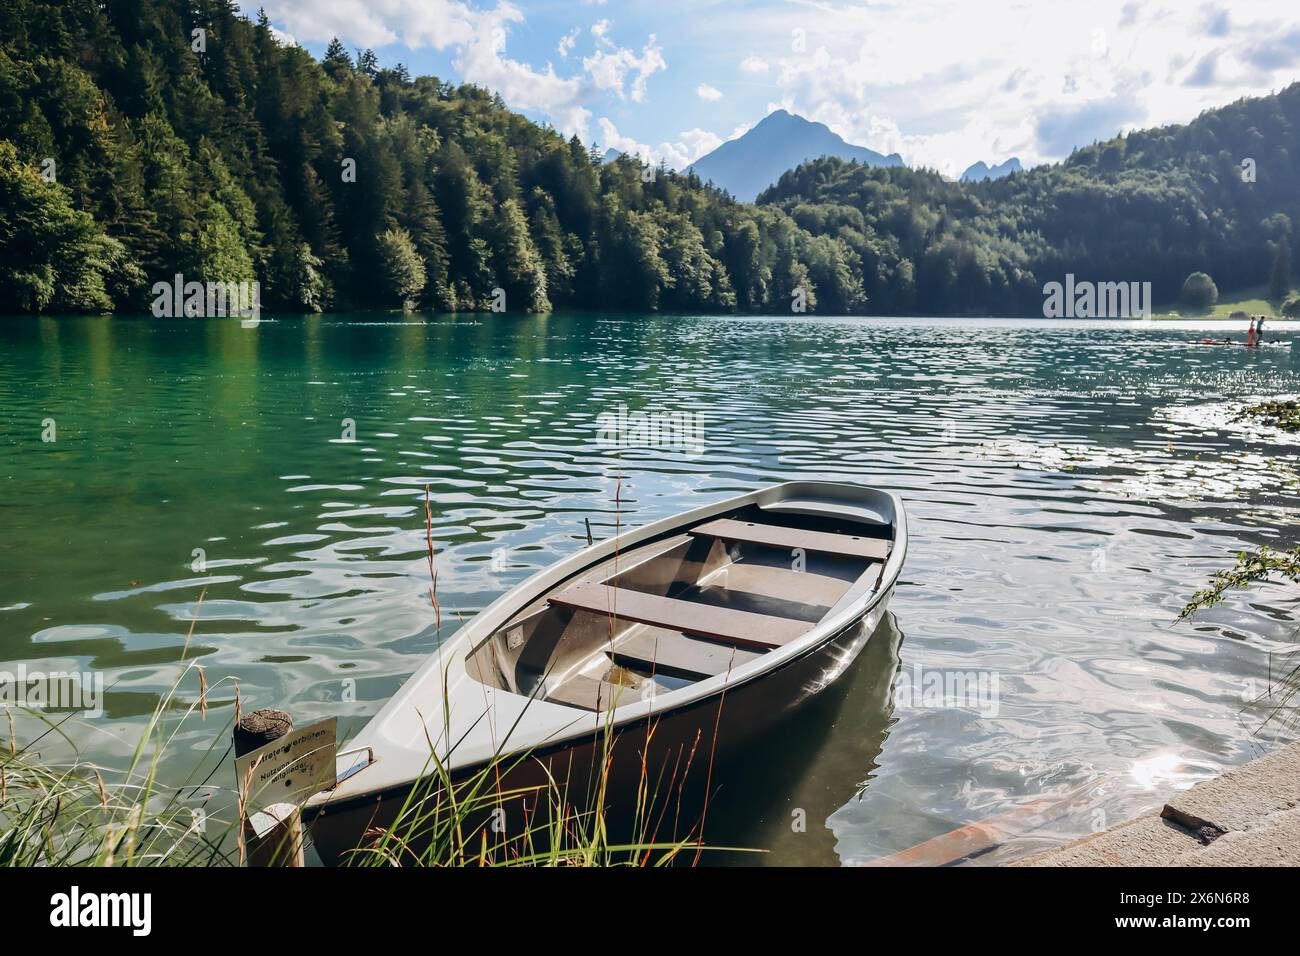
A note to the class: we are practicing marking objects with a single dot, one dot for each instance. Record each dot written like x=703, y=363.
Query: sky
x=942, y=83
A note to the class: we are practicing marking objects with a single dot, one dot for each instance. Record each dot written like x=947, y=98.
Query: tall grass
x=80, y=813
x=76, y=812
x=464, y=819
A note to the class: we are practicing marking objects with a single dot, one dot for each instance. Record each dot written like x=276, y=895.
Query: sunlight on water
x=1168, y=772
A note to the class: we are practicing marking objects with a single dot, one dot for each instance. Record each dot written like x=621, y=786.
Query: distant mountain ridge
x=977, y=172
x=747, y=165
x=1153, y=205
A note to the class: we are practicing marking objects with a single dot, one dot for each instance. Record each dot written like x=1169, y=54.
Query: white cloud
x=482, y=60
x=678, y=154
x=372, y=23
x=614, y=70
x=708, y=93
x=943, y=82
x=567, y=41
x=477, y=39
x=948, y=82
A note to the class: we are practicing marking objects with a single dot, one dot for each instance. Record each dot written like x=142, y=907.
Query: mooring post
x=282, y=845
x=587, y=521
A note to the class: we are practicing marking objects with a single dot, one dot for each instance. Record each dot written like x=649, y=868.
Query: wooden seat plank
x=669, y=652
x=775, y=536
x=742, y=628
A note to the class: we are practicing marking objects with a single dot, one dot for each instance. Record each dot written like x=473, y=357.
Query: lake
x=1069, y=485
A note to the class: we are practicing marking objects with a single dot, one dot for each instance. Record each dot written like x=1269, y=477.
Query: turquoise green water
x=1069, y=485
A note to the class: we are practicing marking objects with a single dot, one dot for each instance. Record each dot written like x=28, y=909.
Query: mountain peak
x=979, y=171
x=780, y=141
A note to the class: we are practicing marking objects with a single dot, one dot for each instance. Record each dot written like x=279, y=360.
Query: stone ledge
x=1274, y=841
x=1148, y=840
x=1242, y=797
x=1248, y=816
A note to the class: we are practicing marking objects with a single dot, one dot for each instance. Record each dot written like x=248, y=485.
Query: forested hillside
x=1153, y=206
x=231, y=164
x=132, y=148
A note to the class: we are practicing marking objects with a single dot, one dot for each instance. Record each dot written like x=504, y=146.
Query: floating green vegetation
x=1250, y=569
x=1284, y=415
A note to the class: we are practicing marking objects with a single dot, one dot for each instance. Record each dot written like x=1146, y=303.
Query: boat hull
x=678, y=754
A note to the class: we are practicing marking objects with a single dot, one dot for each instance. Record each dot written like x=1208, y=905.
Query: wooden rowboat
x=722, y=619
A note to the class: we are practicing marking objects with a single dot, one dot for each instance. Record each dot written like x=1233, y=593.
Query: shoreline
x=1246, y=816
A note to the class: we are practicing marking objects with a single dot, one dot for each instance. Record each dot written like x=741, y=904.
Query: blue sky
x=943, y=82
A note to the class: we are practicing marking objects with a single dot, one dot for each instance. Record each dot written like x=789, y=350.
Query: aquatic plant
x=1276, y=414
x=1257, y=568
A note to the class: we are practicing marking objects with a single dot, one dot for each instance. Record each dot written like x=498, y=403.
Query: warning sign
x=289, y=770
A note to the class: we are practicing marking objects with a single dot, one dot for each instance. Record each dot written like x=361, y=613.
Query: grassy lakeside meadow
x=1238, y=306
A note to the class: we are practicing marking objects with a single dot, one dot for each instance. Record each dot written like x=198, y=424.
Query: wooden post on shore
x=282, y=845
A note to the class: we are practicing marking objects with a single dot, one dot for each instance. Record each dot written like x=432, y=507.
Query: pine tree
x=336, y=58
x=311, y=290
x=520, y=271
x=219, y=253
x=368, y=63
x=403, y=269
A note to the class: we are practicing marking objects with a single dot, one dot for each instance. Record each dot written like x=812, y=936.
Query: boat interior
x=683, y=608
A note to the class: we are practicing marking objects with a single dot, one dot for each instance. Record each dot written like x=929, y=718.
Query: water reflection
x=768, y=797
